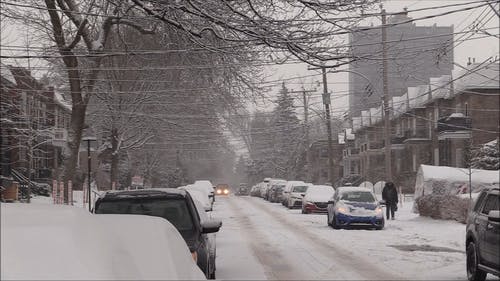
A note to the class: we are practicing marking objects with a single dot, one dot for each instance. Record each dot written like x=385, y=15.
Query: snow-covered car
x=199, y=195
x=58, y=242
x=354, y=206
x=271, y=184
x=316, y=199
x=207, y=186
x=210, y=237
x=276, y=192
x=295, y=195
x=264, y=187
x=172, y=204
x=482, y=239
x=286, y=191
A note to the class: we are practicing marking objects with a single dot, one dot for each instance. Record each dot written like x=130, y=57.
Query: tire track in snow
x=343, y=259
x=274, y=263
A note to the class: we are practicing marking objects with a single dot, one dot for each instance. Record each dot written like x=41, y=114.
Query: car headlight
x=378, y=211
x=343, y=210
x=219, y=191
x=226, y=191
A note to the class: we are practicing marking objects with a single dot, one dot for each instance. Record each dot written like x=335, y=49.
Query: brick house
x=432, y=124
x=34, y=117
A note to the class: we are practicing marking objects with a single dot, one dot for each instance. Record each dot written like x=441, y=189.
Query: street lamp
x=89, y=139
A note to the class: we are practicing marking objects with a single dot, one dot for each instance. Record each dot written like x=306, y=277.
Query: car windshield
x=174, y=210
x=300, y=188
x=358, y=196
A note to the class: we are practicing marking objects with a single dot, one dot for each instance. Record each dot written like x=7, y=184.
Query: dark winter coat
x=390, y=194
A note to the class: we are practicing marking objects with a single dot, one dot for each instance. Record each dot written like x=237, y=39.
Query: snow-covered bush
x=442, y=206
x=486, y=157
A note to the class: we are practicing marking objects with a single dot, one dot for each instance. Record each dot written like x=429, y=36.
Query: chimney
x=473, y=60
x=469, y=63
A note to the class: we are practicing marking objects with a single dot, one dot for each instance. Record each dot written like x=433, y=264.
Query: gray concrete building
x=415, y=53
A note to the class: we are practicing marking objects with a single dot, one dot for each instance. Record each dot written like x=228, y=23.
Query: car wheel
x=334, y=223
x=381, y=226
x=473, y=272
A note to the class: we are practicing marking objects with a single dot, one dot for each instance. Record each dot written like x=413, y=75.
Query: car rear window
x=300, y=188
x=174, y=210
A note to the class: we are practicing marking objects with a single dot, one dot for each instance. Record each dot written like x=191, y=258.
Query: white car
x=207, y=186
x=286, y=191
x=316, y=199
x=92, y=247
x=199, y=195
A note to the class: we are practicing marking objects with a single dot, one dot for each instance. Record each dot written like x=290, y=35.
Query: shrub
x=446, y=207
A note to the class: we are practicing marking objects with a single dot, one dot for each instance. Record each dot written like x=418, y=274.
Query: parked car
x=273, y=182
x=100, y=247
x=316, y=199
x=172, y=204
x=199, y=195
x=483, y=236
x=222, y=189
x=276, y=192
x=286, y=191
x=255, y=190
x=207, y=186
x=295, y=195
x=354, y=206
x=263, y=187
x=243, y=189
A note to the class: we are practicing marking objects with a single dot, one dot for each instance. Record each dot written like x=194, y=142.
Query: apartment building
x=433, y=124
x=34, y=122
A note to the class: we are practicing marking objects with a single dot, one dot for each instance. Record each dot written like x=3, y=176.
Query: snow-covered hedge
x=443, y=206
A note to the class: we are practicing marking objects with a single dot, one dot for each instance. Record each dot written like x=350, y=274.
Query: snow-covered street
x=262, y=240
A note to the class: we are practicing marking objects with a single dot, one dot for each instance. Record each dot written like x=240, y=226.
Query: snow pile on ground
x=43, y=241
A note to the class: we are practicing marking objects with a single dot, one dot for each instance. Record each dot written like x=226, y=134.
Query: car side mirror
x=211, y=226
x=302, y=195
x=381, y=202
x=494, y=216
x=331, y=202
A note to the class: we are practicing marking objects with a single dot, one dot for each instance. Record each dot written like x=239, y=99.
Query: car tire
x=380, y=227
x=473, y=271
x=334, y=223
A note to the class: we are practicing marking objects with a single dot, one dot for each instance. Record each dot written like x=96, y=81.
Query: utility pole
x=387, y=117
x=327, y=102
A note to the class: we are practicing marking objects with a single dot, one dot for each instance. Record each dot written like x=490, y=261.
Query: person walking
x=390, y=196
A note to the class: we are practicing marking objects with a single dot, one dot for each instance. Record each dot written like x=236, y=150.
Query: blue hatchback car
x=354, y=206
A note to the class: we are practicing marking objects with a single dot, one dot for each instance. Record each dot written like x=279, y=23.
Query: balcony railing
x=454, y=122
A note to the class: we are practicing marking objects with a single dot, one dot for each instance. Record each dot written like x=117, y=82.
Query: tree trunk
x=75, y=136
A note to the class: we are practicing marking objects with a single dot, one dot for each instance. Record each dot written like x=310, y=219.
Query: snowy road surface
x=262, y=240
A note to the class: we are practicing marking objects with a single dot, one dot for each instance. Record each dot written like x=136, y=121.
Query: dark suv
x=483, y=236
x=178, y=208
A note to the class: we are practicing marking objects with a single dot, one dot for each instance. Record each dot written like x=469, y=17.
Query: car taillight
x=195, y=256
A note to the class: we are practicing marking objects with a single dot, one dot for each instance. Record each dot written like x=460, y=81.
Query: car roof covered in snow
x=153, y=192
